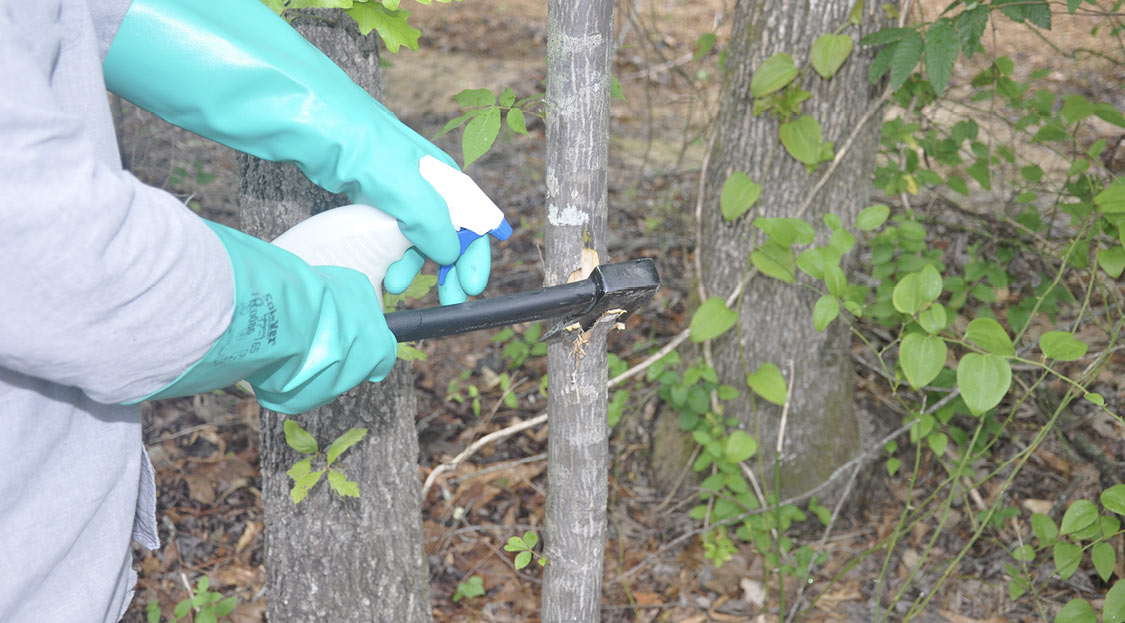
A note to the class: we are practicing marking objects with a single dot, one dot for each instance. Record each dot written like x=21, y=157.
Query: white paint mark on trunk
x=568, y=216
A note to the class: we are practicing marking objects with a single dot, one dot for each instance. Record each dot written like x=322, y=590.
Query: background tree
x=580, y=41
x=327, y=558
x=773, y=317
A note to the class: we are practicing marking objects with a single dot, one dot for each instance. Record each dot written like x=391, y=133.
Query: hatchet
x=618, y=289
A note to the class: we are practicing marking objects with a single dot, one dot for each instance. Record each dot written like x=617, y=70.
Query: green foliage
x=204, y=606
x=525, y=550
x=472, y=587
x=482, y=120
x=519, y=347
x=302, y=474
x=383, y=16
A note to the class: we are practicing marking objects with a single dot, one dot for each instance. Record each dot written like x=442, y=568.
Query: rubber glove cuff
x=300, y=335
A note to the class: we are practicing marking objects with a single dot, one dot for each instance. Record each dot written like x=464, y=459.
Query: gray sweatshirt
x=109, y=290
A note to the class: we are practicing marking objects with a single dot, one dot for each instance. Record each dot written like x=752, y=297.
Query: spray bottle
x=366, y=239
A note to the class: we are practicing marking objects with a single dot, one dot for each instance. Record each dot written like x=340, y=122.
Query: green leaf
x=922, y=358
x=1113, y=499
x=738, y=195
x=942, y=47
x=1079, y=515
x=855, y=16
x=391, y=25
x=615, y=90
x=152, y=612
x=739, y=447
x=872, y=217
x=1076, y=611
x=712, y=319
x=989, y=335
x=1113, y=610
x=1024, y=553
x=1044, y=528
x=507, y=98
x=786, y=231
x=773, y=74
x=1076, y=108
x=835, y=280
x=298, y=438
x=881, y=63
x=938, y=442
x=932, y=319
x=1104, y=557
x=475, y=98
x=1112, y=199
x=480, y=134
x=907, y=297
x=522, y=559
x=703, y=45
x=473, y=587
x=802, y=138
x=299, y=469
x=1062, y=345
x=530, y=539
x=1107, y=112
x=515, y=120
x=1112, y=260
x=459, y=121
x=929, y=283
x=515, y=544
x=984, y=380
x=181, y=610
x=341, y=485
x=825, y=311
x=406, y=352
x=1066, y=557
x=907, y=54
x=226, y=606
x=886, y=35
x=811, y=261
x=206, y=615
x=774, y=260
x=343, y=442
x=768, y=383
x=829, y=52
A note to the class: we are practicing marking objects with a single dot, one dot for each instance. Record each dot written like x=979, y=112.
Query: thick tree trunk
x=775, y=320
x=328, y=559
x=579, y=43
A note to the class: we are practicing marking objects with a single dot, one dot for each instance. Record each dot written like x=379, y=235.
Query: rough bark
x=775, y=319
x=579, y=39
x=328, y=559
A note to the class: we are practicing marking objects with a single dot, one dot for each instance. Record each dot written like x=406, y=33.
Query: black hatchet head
x=619, y=289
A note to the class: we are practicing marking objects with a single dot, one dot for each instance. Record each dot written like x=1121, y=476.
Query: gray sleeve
x=107, y=16
x=105, y=284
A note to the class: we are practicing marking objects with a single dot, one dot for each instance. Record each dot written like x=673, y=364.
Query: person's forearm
x=103, y=277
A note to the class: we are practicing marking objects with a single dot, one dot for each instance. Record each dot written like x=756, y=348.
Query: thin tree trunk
x=775, y=319
x=328, y=559
x=579, y=44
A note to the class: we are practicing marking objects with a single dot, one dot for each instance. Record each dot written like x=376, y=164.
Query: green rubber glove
x=301, y=335
x=234, y=72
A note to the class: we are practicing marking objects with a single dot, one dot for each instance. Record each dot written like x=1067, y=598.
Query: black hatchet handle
x=572, y=299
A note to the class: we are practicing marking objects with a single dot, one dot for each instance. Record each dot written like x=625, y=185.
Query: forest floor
x=205, y=449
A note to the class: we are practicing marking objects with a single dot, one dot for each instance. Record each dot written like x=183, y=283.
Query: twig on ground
x=477, y=445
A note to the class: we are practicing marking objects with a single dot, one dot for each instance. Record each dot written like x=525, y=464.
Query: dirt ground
x=205, y=448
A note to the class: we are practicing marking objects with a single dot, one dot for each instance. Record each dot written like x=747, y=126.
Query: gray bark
x=579, y=37
x=775, y=319
x=330, y=559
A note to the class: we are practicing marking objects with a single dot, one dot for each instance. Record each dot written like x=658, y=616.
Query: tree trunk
x=328, y=559
x=579, y=43
x=775, y=318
